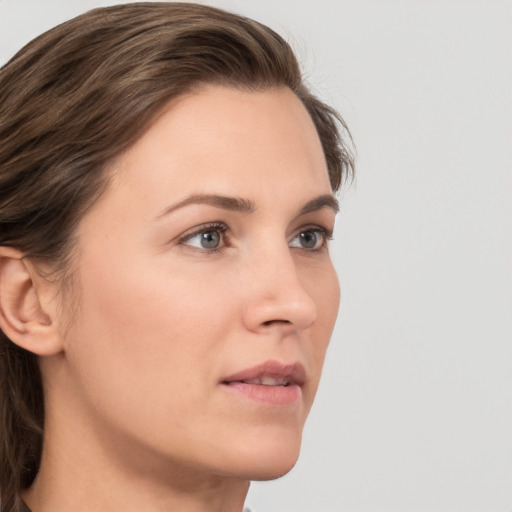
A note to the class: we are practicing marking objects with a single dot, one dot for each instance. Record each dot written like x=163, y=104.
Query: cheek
x=151, y=298
x=324, y=288
x=146, y=331
x=331, y=287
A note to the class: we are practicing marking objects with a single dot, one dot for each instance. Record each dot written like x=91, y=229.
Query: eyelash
x=213, y=226
x=220, y=227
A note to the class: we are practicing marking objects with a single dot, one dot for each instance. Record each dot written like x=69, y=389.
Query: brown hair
x=71, y=100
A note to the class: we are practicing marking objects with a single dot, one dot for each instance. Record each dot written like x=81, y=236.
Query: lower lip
x=278, y=396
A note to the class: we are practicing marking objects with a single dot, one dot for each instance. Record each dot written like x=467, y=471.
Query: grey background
x=414, y=412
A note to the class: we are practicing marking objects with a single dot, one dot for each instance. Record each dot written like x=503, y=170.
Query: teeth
x=269, y=381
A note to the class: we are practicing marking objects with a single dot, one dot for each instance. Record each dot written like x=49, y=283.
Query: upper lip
x=293, y=373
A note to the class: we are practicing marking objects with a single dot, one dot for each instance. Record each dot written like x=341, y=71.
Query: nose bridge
x=275, y=294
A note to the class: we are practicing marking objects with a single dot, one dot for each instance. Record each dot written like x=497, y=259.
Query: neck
x=66, y=482
x=83, y=470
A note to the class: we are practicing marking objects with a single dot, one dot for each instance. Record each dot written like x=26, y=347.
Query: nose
x=275, y=297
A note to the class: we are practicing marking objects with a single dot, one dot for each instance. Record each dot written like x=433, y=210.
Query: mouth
x=267, y=380
x=272, y=384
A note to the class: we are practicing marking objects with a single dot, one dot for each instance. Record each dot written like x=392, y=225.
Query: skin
x=137, y=415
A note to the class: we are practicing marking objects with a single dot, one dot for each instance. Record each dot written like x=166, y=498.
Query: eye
x=312, y=239
x=208, y=238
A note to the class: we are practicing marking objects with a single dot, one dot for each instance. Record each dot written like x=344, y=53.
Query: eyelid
x=221, y=227
x=325, y=232
x=316, y=227
x=213, y=226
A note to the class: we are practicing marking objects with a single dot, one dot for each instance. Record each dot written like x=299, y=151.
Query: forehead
x=227, y=141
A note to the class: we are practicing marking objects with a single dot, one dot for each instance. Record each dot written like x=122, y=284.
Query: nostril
x=270, y=322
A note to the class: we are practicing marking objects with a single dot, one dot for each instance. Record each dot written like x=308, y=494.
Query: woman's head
x=82, y=92
x=144, y=318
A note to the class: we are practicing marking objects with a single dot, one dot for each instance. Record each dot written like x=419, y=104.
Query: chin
x=266, y=459
x=270, y=469
x=273, y=470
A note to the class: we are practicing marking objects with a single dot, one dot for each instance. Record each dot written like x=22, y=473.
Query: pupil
x=210, y=240
x=308, y=239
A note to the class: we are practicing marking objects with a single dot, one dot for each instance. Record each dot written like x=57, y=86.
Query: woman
x=166, y=291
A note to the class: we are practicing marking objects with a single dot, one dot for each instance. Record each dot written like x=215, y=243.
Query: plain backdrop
x=414, y=412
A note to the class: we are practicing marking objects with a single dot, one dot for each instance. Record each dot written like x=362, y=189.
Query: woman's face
x=204, y=266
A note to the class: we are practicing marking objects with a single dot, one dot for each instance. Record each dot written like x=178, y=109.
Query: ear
x=28, y=306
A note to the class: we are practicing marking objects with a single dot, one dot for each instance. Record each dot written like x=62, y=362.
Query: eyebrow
x=246, y=206
x=320, y=202
x=226, y=203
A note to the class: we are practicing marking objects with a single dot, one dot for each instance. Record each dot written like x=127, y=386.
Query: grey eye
x=209, y=239
x=308, y=239
x=311, y=239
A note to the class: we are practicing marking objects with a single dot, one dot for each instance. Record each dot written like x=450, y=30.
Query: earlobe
x=25, y=317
